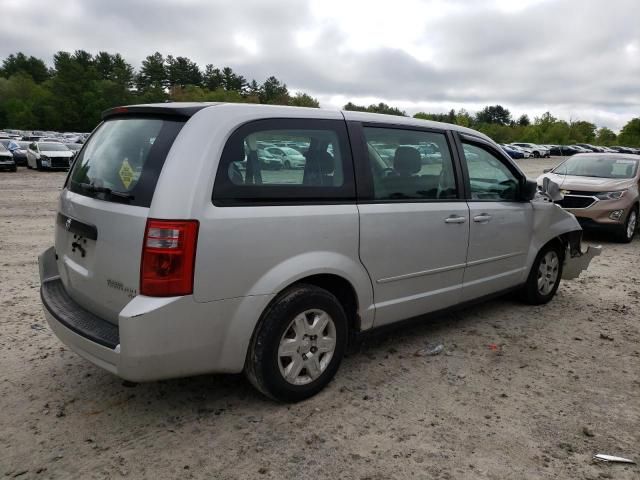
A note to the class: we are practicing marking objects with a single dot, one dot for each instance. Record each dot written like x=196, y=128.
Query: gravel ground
x=519, y=391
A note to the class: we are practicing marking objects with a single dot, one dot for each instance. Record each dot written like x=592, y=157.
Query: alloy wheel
x=548, y=272
x=306, y=347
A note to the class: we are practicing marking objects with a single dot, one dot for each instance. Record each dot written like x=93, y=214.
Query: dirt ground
x=519, y=391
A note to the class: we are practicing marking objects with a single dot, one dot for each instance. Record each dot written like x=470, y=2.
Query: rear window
x=122, y=159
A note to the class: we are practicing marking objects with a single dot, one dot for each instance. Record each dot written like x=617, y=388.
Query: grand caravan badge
x=126, y=173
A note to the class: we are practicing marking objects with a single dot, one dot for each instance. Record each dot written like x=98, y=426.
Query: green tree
x=233, y=82
x=354, y=108
x=494, y=114
x=376, y=108
x=23, y=102
x=20, y=63
x=152, y=76
x=303, y=100
x=181, y=72
x=212, y=77
x=524, y=121
x=274, y=92
x=630, y=133
x=606, y=137
x=582, y=132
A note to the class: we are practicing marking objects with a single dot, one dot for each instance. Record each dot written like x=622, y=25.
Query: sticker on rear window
x=126, y=173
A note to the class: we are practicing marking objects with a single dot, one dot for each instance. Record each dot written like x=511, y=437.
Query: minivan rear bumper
x=156, y=338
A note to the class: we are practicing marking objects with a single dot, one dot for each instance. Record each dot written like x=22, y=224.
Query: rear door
x=104, y=207
x=414, y=222
x=500, y=224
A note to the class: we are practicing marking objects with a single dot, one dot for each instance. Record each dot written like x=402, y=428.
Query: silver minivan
x=177, y=253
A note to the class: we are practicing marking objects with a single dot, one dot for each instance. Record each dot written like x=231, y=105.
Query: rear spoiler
x=176, y=109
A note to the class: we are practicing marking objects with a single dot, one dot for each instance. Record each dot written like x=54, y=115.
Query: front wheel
x=544, y=277
x=287, y=164
x=628, y=230
x=299, y=344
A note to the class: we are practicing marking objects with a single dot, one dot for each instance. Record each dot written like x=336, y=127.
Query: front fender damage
x=576, y=260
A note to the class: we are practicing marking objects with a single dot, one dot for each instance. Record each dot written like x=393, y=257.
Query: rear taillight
x=168, y=258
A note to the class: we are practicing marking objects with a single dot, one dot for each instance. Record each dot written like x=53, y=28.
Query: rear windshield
x=122, y=159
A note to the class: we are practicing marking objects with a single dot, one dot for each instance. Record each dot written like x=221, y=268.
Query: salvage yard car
x=49, y=155
x=601, y=190
x=6, y=159
x=176, y=254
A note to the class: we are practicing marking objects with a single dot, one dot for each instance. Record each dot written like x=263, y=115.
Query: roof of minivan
x=187, y=109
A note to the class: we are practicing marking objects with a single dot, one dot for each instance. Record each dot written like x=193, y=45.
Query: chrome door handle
x=455, y=219
x=482, y=218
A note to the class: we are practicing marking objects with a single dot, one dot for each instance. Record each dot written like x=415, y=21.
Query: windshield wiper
x=89, y=187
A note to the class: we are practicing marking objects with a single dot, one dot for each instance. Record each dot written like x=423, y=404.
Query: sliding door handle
x=482, y=218
x=455, y=219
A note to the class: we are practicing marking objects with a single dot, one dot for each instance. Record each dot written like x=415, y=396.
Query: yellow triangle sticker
x=126, y=174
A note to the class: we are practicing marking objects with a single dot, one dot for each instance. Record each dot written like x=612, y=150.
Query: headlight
x=610, y=195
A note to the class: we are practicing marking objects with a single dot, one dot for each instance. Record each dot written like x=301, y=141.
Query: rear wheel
x=628, y=230
x=536, y=154
x=38, y=164
x=287, y=164
x=298, y=345
x=544, y=277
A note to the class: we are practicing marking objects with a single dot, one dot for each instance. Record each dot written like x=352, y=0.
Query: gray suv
x=177, y=254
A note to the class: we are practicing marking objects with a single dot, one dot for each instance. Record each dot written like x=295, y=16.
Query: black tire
x=14, y=169
x=622, y=235
x=536, y=154
x=287, y=164
x=262, y=366
x=38, y=165
x=531, y=293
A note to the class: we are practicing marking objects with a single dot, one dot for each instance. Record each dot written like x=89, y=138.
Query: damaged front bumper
x=576, y=260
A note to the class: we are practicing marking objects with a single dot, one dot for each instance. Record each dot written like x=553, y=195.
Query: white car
x=170, y=260
x=290, y=157
x=537, y=150
x=48, y=155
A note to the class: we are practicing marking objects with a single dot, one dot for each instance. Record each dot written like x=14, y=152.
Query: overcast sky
x=580, y=59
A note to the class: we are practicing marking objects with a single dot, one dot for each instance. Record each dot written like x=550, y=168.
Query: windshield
x=3, y=148
x=598, y=166
x=124, y=155
x=52, y=147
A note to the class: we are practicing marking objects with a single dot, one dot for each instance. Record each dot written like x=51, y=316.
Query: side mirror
x=529, y=190
x=552, y=190
x=547, y=170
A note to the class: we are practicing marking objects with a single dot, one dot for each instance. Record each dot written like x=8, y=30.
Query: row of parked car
x=38, y=150
x=527, y=150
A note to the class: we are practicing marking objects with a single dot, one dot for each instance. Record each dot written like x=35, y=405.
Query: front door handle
x=455, y=219
x=482, y=218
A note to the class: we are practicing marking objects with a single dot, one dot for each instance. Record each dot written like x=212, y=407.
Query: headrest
x=407, y=161
x=324, y=163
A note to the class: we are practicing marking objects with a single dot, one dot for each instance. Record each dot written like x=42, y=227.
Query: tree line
x=71, y=95
x=497, y=122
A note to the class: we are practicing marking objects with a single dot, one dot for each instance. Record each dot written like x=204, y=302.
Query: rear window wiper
x=88, y=187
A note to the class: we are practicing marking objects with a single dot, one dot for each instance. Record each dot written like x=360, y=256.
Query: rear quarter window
x=123, y=158
x=285, y=161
